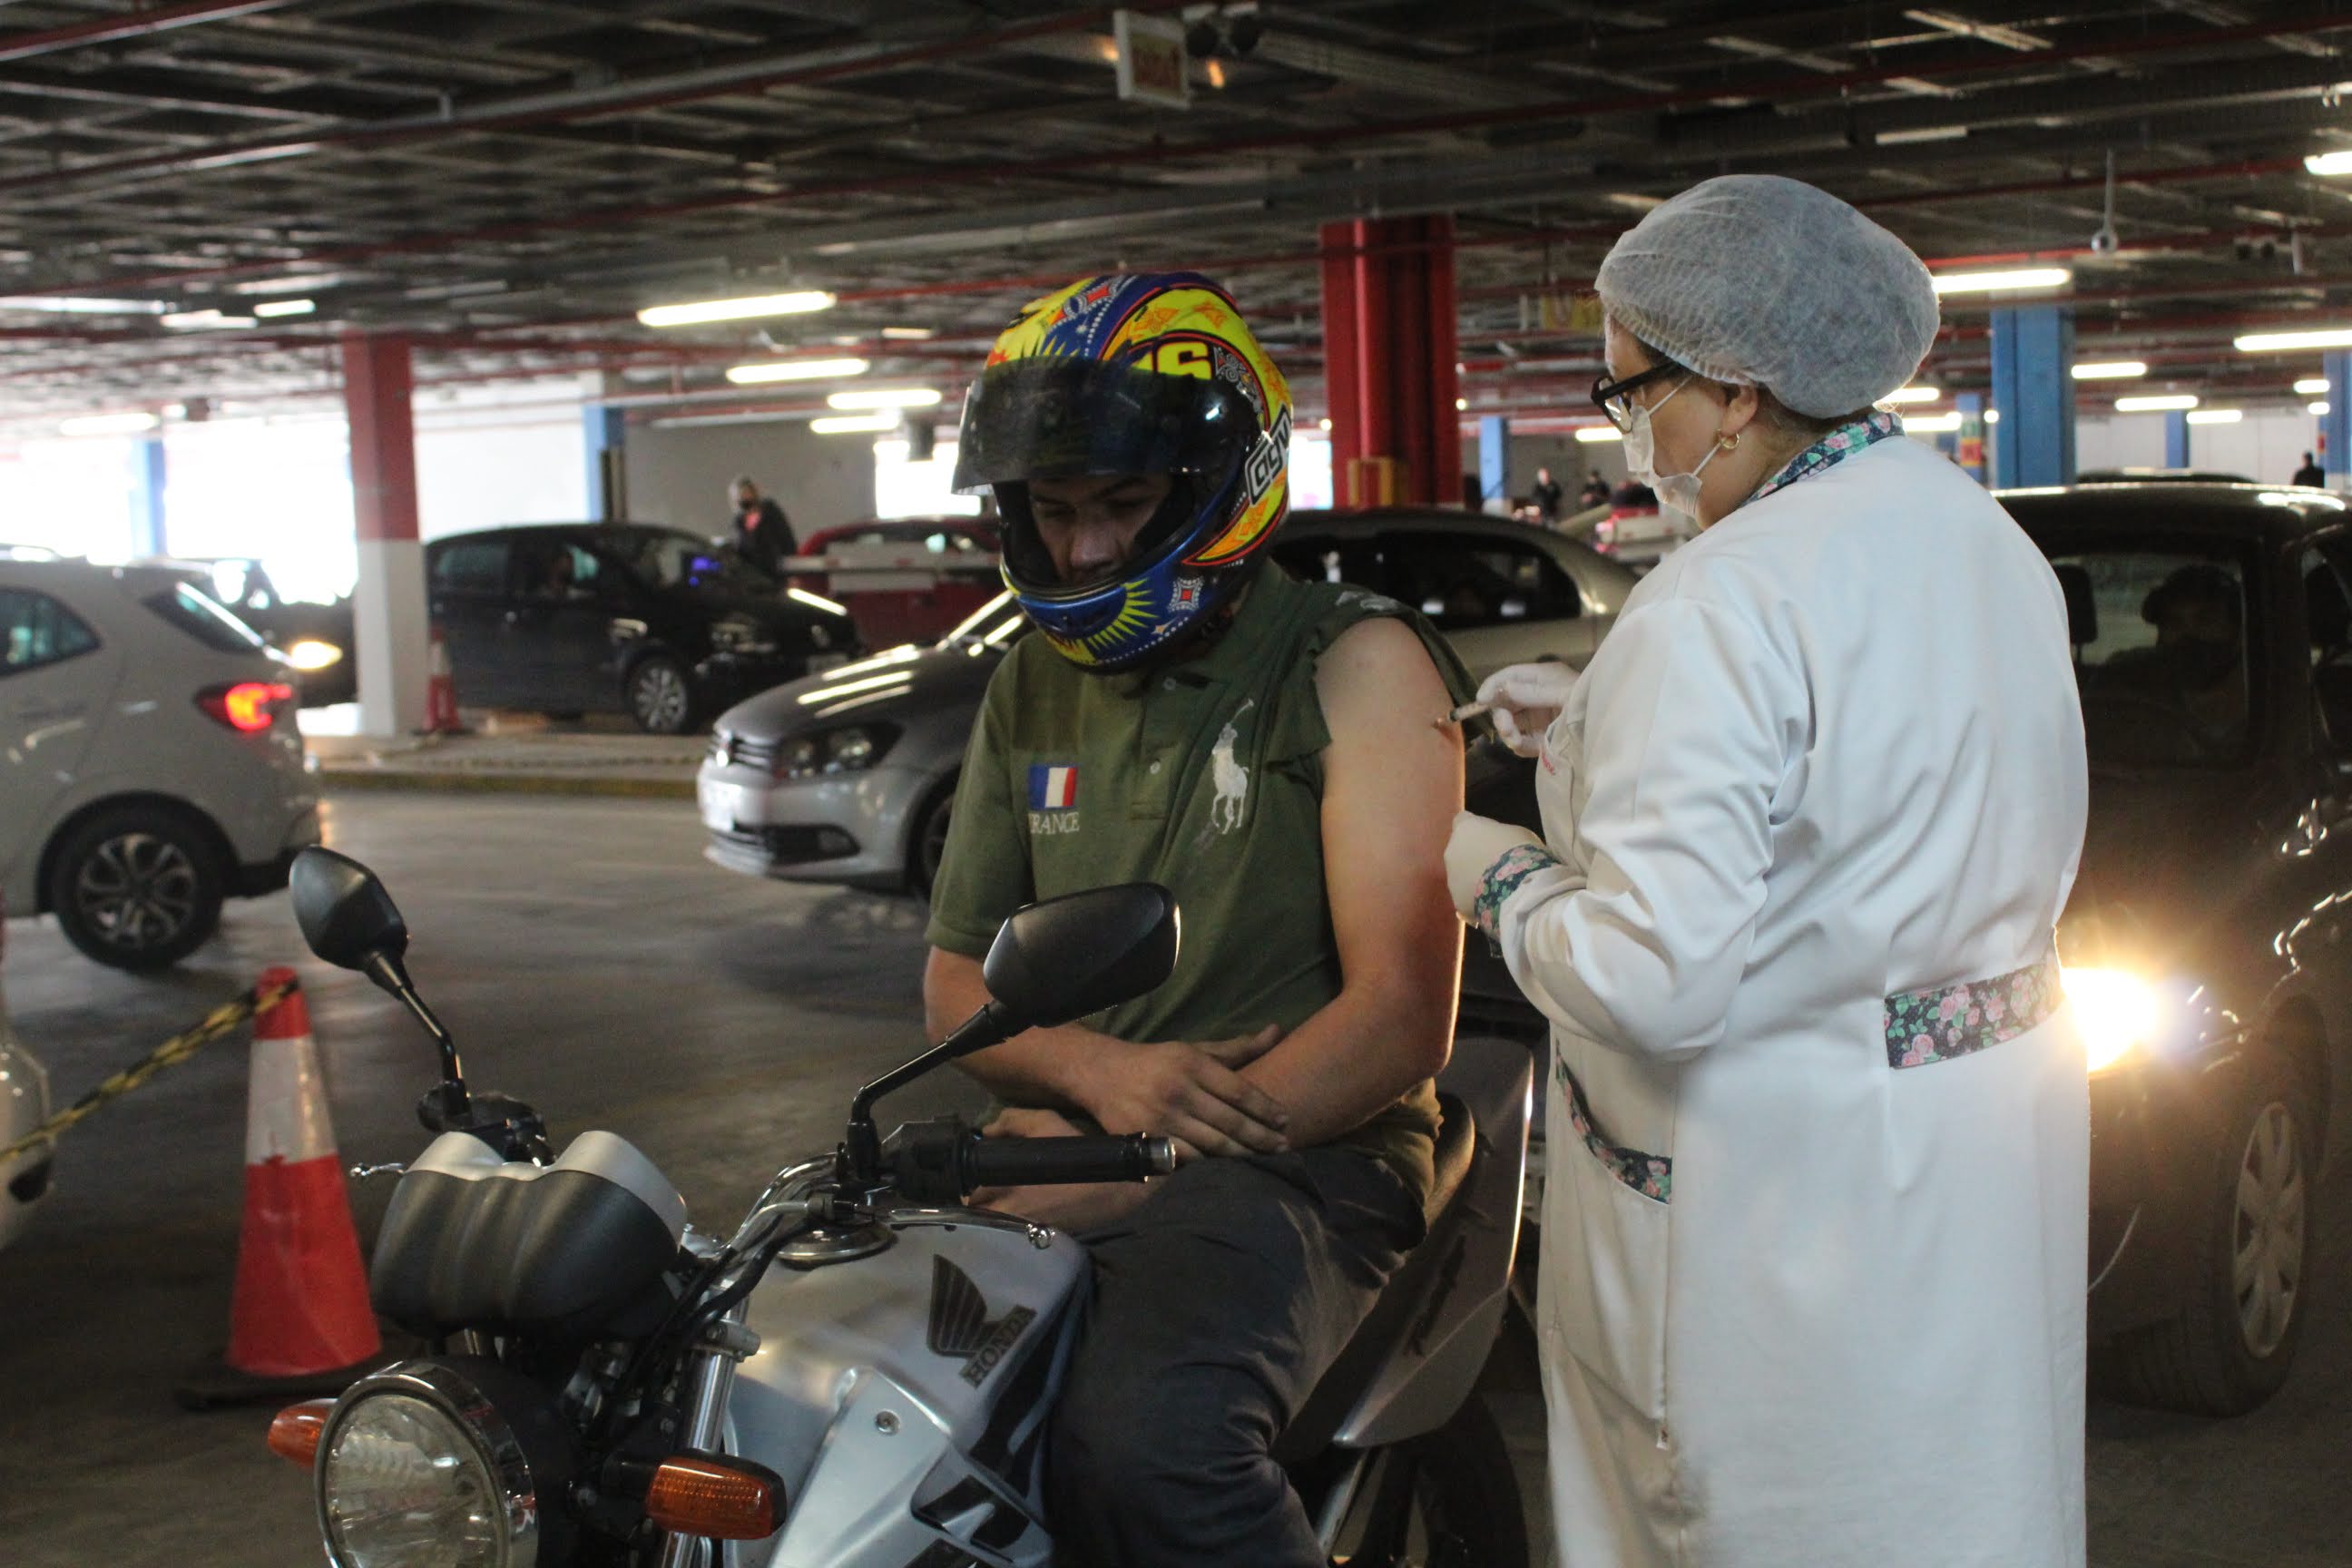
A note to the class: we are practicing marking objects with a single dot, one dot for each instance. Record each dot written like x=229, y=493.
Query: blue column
x=608, y=491
x=2335, y=425
x=147, y=495
x=1970, y=449
x=1493, y=457
x=2034, y=387
x=2176, y=439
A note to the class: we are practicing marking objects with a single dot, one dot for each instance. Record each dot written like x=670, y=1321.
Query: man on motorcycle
x=1266, y=749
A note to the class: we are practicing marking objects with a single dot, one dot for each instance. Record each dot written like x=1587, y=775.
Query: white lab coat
x=1830, y=754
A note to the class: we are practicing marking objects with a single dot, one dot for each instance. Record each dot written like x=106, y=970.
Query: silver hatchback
x=848, y=778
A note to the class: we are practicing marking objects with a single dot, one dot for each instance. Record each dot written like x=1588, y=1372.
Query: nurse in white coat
x=1812, y=1264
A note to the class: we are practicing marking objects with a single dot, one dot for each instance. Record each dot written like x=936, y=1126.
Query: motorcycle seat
x=1390, y=1320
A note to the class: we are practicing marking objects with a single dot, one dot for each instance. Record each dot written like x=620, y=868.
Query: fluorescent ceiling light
x=284, y=307
x=2320, y=409
x=205, y=321
x=2163, y=403
x=2110, y=370
x=107, y=424
x=2311, y=387
x=2330, y=162
x=741, y=309
x=855, y=424
x=794, y=370
x=2272, y=343
x=2003, y=282
x=1594, y=434
x=1929, y=133
x=1933, y=424
x=689, y=421
x=887, y=397
x=2216, y=416
x=1633, y=200
x=79, y=305
x=1913, y=394
x=910, y=334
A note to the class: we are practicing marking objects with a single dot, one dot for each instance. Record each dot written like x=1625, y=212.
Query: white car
x=24, y=1105
x=149, y=762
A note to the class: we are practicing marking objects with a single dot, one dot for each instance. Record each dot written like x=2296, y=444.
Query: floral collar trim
x=1832, y=449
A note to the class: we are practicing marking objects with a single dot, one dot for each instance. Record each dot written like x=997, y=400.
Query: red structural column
x=377, y=382
x=1389, y=360
x=391, y=623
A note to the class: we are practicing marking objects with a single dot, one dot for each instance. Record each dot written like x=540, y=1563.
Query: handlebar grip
x=1040, y=1162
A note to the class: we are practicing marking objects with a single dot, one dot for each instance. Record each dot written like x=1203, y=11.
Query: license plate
x=720, y=805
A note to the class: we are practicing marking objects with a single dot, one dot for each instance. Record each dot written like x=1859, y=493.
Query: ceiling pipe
x=139, y=23
x=1794, y=87
x=572, y=103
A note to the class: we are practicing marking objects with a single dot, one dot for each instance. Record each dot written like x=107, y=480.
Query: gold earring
x=1731, y=442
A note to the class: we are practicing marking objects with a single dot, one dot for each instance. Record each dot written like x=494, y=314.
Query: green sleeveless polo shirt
x=1205, y=777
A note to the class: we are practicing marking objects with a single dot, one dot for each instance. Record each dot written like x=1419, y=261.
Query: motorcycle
x=861, y=1376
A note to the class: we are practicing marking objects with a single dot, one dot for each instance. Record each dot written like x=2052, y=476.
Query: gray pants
x=1215, y=1307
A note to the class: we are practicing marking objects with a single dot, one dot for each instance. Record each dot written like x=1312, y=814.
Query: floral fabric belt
x=1925, y=1026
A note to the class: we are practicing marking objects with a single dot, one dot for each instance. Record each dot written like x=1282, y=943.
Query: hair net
x=1755, y=279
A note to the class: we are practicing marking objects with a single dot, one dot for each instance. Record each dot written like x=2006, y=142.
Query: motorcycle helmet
x=1132, y=373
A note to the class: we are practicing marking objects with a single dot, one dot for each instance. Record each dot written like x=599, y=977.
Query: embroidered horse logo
x=1231, y=779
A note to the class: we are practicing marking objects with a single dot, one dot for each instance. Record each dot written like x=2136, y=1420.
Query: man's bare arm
x=1189, y=1092
x=1391, y=784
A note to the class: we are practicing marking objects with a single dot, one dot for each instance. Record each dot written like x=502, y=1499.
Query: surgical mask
x=1676, y=492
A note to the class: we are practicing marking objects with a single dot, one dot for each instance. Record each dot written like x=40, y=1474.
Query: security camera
x=2106, y=242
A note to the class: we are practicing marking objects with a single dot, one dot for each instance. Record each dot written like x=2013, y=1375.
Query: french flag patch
x=1053, y=788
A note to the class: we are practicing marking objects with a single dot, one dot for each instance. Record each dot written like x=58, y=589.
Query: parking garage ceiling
x=512, y=180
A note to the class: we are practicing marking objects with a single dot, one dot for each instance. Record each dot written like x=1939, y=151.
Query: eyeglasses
x=1615, y=398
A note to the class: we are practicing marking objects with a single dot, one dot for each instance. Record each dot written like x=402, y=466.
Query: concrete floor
x=589, y=960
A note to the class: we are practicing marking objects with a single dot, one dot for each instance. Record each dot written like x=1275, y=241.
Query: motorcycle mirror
x=350, y=920
x=346, y=915
x=1068, y=958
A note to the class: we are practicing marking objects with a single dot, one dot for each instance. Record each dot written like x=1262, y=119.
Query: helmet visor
x=1059, y=418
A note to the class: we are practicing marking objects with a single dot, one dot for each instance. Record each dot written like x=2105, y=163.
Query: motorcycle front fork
x=710, y=1378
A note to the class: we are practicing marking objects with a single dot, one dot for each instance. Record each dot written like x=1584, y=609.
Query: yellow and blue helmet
x=1149, y=373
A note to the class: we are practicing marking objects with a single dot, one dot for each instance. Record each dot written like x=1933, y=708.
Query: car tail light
x=248, y=706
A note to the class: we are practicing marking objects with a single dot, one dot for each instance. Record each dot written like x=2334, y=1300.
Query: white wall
x=679, y=476
x=2266, y=445
x=1569, y=460
x=482, y=477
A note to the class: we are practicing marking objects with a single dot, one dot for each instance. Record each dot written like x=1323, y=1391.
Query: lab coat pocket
x=1607, y=1215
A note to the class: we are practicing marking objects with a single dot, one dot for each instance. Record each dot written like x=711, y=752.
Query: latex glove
x=1477, y=842
x=1526, y=698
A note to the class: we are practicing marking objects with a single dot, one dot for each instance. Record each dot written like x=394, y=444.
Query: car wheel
x=136, y=887
x=661, y=696
x=927, y=845
x=2229, y=1348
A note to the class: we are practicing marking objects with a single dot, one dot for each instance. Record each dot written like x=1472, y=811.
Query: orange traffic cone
x=440, y=691
x=298, y=1320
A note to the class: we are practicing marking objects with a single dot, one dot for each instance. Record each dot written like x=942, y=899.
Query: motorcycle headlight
x=418, y=1469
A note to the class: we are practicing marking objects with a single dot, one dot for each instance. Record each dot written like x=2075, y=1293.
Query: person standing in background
x=763, y=534
x=1547, y=494
x=1596, y=493
x=2310, y=474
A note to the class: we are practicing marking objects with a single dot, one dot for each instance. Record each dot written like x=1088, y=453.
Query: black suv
x=563, y=619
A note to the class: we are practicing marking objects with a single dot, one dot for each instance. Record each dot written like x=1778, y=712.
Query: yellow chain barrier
x=171, y=1053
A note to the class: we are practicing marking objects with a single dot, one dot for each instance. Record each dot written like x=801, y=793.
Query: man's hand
x=1071, y=1207
x=1193, y=1094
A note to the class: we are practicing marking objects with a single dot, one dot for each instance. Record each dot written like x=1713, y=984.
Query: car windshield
x=662, y=559
x=204, y=618
x=2162, y=652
